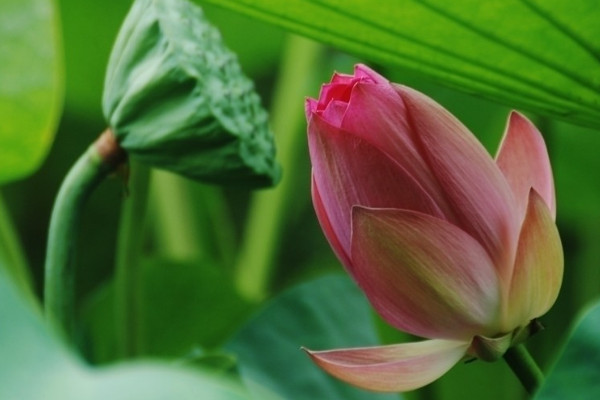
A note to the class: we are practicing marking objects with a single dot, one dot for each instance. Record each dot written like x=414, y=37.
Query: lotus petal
x=523, y=159
x=538, y=269
x=330, y=234
x=376, y=113
x=349, y=171
x=474, y=186
x=424, y=275
x=367, y=74
x=310, y=107
x=394, y=368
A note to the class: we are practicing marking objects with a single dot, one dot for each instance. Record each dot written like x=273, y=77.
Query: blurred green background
x=212, y=255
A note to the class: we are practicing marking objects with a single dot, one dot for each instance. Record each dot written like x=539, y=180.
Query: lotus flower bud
x=447, y=243
x=176, y=98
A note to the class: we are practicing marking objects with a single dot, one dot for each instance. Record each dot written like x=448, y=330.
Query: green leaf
x=577, y=372
x=257, y=56
x=34, y=365
x=536, y=55
x=30, y=84
x=198, y=301
x=327, y=313
x=87, y=42
x=182, y=306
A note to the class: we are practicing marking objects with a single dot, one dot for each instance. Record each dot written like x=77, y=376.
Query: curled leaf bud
x=175, y=98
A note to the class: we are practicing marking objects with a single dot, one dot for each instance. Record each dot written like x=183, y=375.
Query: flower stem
x=269, y=208
x=177, y=234
x=102, y=157
x=128, y=263
x=524, y=367
x=191, y=220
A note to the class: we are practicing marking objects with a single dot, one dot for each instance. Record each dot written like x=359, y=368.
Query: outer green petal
x=538, y=266
x=395, y=368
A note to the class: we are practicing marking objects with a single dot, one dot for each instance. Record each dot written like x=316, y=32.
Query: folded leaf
x=176, y=98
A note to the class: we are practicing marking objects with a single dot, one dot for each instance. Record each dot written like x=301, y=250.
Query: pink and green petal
x=538, y=266
x=376, y=113
x=334, y=112
x=333, y=91
x=393, y=368
x=367, y=74
x=341, y=85
x=310, y=107
x=343, y=78
x=474, y=186
x=349, y=171
x=424, y=275
x=523, y=159
x=330, y=234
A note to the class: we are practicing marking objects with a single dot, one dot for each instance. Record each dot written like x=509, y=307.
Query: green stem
x=127, y=269
x=177, y=235
x=102, y=157
x=190, y=220
x=524, y=367
x=269, y=208
x=11, y=253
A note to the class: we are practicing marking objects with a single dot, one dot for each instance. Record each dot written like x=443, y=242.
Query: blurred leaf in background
x=323, y=313
x=35, y=365
x=183, y=306
x=89, y=31
x=31, y=84
x=575, y=375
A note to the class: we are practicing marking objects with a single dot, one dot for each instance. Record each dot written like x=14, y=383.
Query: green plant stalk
x=269, y=208
x=102, y=157
x=190, y=222
x=177, y=235
x=128, y=262
x=524, y=367
x=11, y=253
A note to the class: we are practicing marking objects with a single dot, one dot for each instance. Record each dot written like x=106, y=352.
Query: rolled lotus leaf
x=176, y=98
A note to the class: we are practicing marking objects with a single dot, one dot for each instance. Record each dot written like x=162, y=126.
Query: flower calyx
x=493, y=348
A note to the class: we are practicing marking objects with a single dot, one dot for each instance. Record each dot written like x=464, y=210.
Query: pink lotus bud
x=447, y=243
